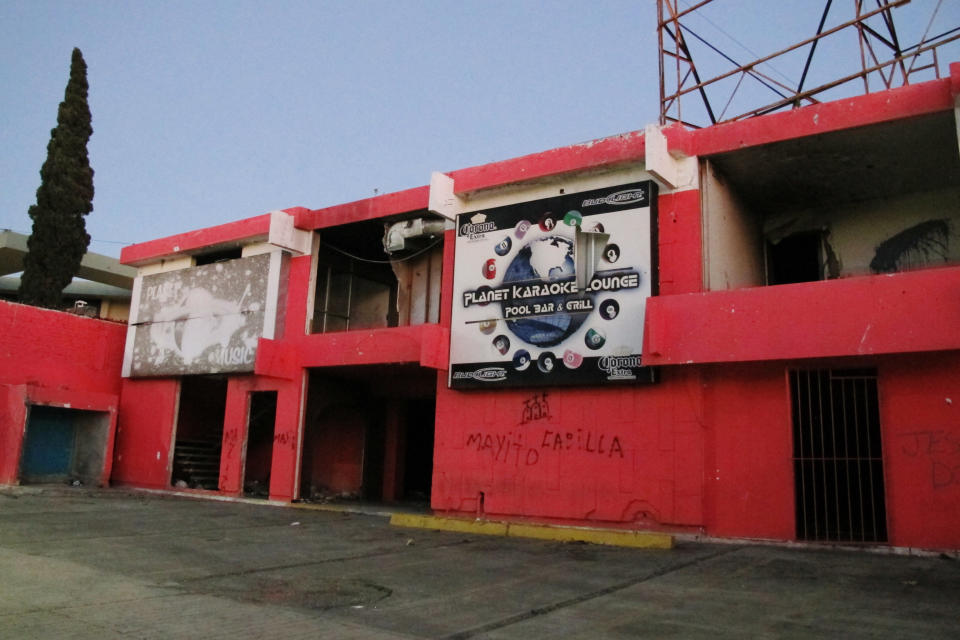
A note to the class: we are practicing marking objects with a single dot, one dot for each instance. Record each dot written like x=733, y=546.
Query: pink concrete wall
x=148, y=412
x=56, y=359
x=920, y=417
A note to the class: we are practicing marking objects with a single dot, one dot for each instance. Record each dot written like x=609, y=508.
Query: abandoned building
x=748, y=330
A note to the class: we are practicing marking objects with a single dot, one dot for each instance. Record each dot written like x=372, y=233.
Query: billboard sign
x=204, y=319
x=553, y=291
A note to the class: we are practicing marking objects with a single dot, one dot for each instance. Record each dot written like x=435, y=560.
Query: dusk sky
x=209, y=111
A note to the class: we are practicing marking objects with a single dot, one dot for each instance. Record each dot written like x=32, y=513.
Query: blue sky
x=211, y=110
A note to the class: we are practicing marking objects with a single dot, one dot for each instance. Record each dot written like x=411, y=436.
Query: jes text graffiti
x=941, y=449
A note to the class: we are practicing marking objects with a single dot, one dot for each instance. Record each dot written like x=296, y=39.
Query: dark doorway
x=418, y=458
x=63, y=445
x=196, y=457
x=838, y=463
x=796, y=258
x=259, y=457
x=368, y=434
x=374, y=455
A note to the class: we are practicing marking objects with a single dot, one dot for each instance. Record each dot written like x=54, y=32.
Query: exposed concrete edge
x=613, y=537
x=199, y=494
x=480, y=526
x=874, y=548
x=338, y=508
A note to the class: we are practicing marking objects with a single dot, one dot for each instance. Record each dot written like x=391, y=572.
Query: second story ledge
x=425, y=345
x=896, y=313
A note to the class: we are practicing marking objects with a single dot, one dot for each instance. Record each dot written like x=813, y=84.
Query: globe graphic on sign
x=542, y=261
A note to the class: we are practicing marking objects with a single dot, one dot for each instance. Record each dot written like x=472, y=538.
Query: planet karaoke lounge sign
x=553, y=291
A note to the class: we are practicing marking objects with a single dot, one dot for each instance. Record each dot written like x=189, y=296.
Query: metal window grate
x=838, y=466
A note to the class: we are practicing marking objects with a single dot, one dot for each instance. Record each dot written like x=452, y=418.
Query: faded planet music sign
x=554, y=291
x=205, y=319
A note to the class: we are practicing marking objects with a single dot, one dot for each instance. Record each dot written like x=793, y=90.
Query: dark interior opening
x=196, y=457
x=260, y=434
x=368, y=434
x=796, y=258
x=418, y=458
x=374, y=456
x=356, y=286
x=838, y=461
x=218, y=256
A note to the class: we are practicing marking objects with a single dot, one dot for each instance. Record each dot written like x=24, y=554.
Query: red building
x=748, y=330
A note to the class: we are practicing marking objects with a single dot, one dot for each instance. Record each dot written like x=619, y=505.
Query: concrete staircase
x=197, y=462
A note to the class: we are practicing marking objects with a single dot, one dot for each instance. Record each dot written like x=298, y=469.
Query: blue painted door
x=49, y=443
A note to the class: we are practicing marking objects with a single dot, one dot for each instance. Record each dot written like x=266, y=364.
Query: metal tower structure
x=705, y=91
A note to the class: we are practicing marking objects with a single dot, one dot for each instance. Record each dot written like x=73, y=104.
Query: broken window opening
x=353, y=294
x=218, y=256
x=801, y=257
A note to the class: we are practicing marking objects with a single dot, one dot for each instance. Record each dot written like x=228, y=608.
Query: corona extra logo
x=619, y=367
x=477, y=226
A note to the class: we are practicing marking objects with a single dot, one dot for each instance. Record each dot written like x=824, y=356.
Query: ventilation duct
x=398, y=236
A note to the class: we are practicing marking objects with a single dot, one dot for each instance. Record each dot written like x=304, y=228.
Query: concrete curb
x=613, y=537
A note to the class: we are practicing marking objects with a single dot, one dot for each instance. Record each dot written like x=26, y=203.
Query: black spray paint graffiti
x=941, y=449
x=535, y=408
x=504, y=447
x=920, y=245
x=510, y=448
x=589, y=442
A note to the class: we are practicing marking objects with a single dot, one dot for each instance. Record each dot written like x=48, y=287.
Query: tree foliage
x=59, y=237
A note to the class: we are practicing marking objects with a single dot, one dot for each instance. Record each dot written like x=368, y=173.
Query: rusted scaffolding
x=882, y=58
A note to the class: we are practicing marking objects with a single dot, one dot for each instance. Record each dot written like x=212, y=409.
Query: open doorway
x=196, y=456
x=368, y=434
x=64, y=445
x=418, y=457
x=260, y=433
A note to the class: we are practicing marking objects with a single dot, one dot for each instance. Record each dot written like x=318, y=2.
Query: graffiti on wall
x=938, y=448
x=518, y=448
x=921, y=245
x=536, y=407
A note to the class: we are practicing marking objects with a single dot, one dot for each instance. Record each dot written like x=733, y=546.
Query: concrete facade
x=744, y=342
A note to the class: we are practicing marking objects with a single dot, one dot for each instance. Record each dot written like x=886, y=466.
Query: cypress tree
x=59, y=237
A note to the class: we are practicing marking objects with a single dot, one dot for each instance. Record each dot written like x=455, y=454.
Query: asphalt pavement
x=110, y=564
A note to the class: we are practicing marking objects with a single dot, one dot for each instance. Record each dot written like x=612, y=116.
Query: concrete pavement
x=76, y=563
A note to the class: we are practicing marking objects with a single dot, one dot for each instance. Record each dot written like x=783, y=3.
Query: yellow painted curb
x=448, y=524
x=614, y=537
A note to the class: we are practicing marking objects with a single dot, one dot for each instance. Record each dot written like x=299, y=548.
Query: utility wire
x=368, y=260
x=924, y=38
x=27, y=233
x=755, y=55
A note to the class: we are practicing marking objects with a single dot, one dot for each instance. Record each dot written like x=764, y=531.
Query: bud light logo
x=620, y=198
x=487, y=374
